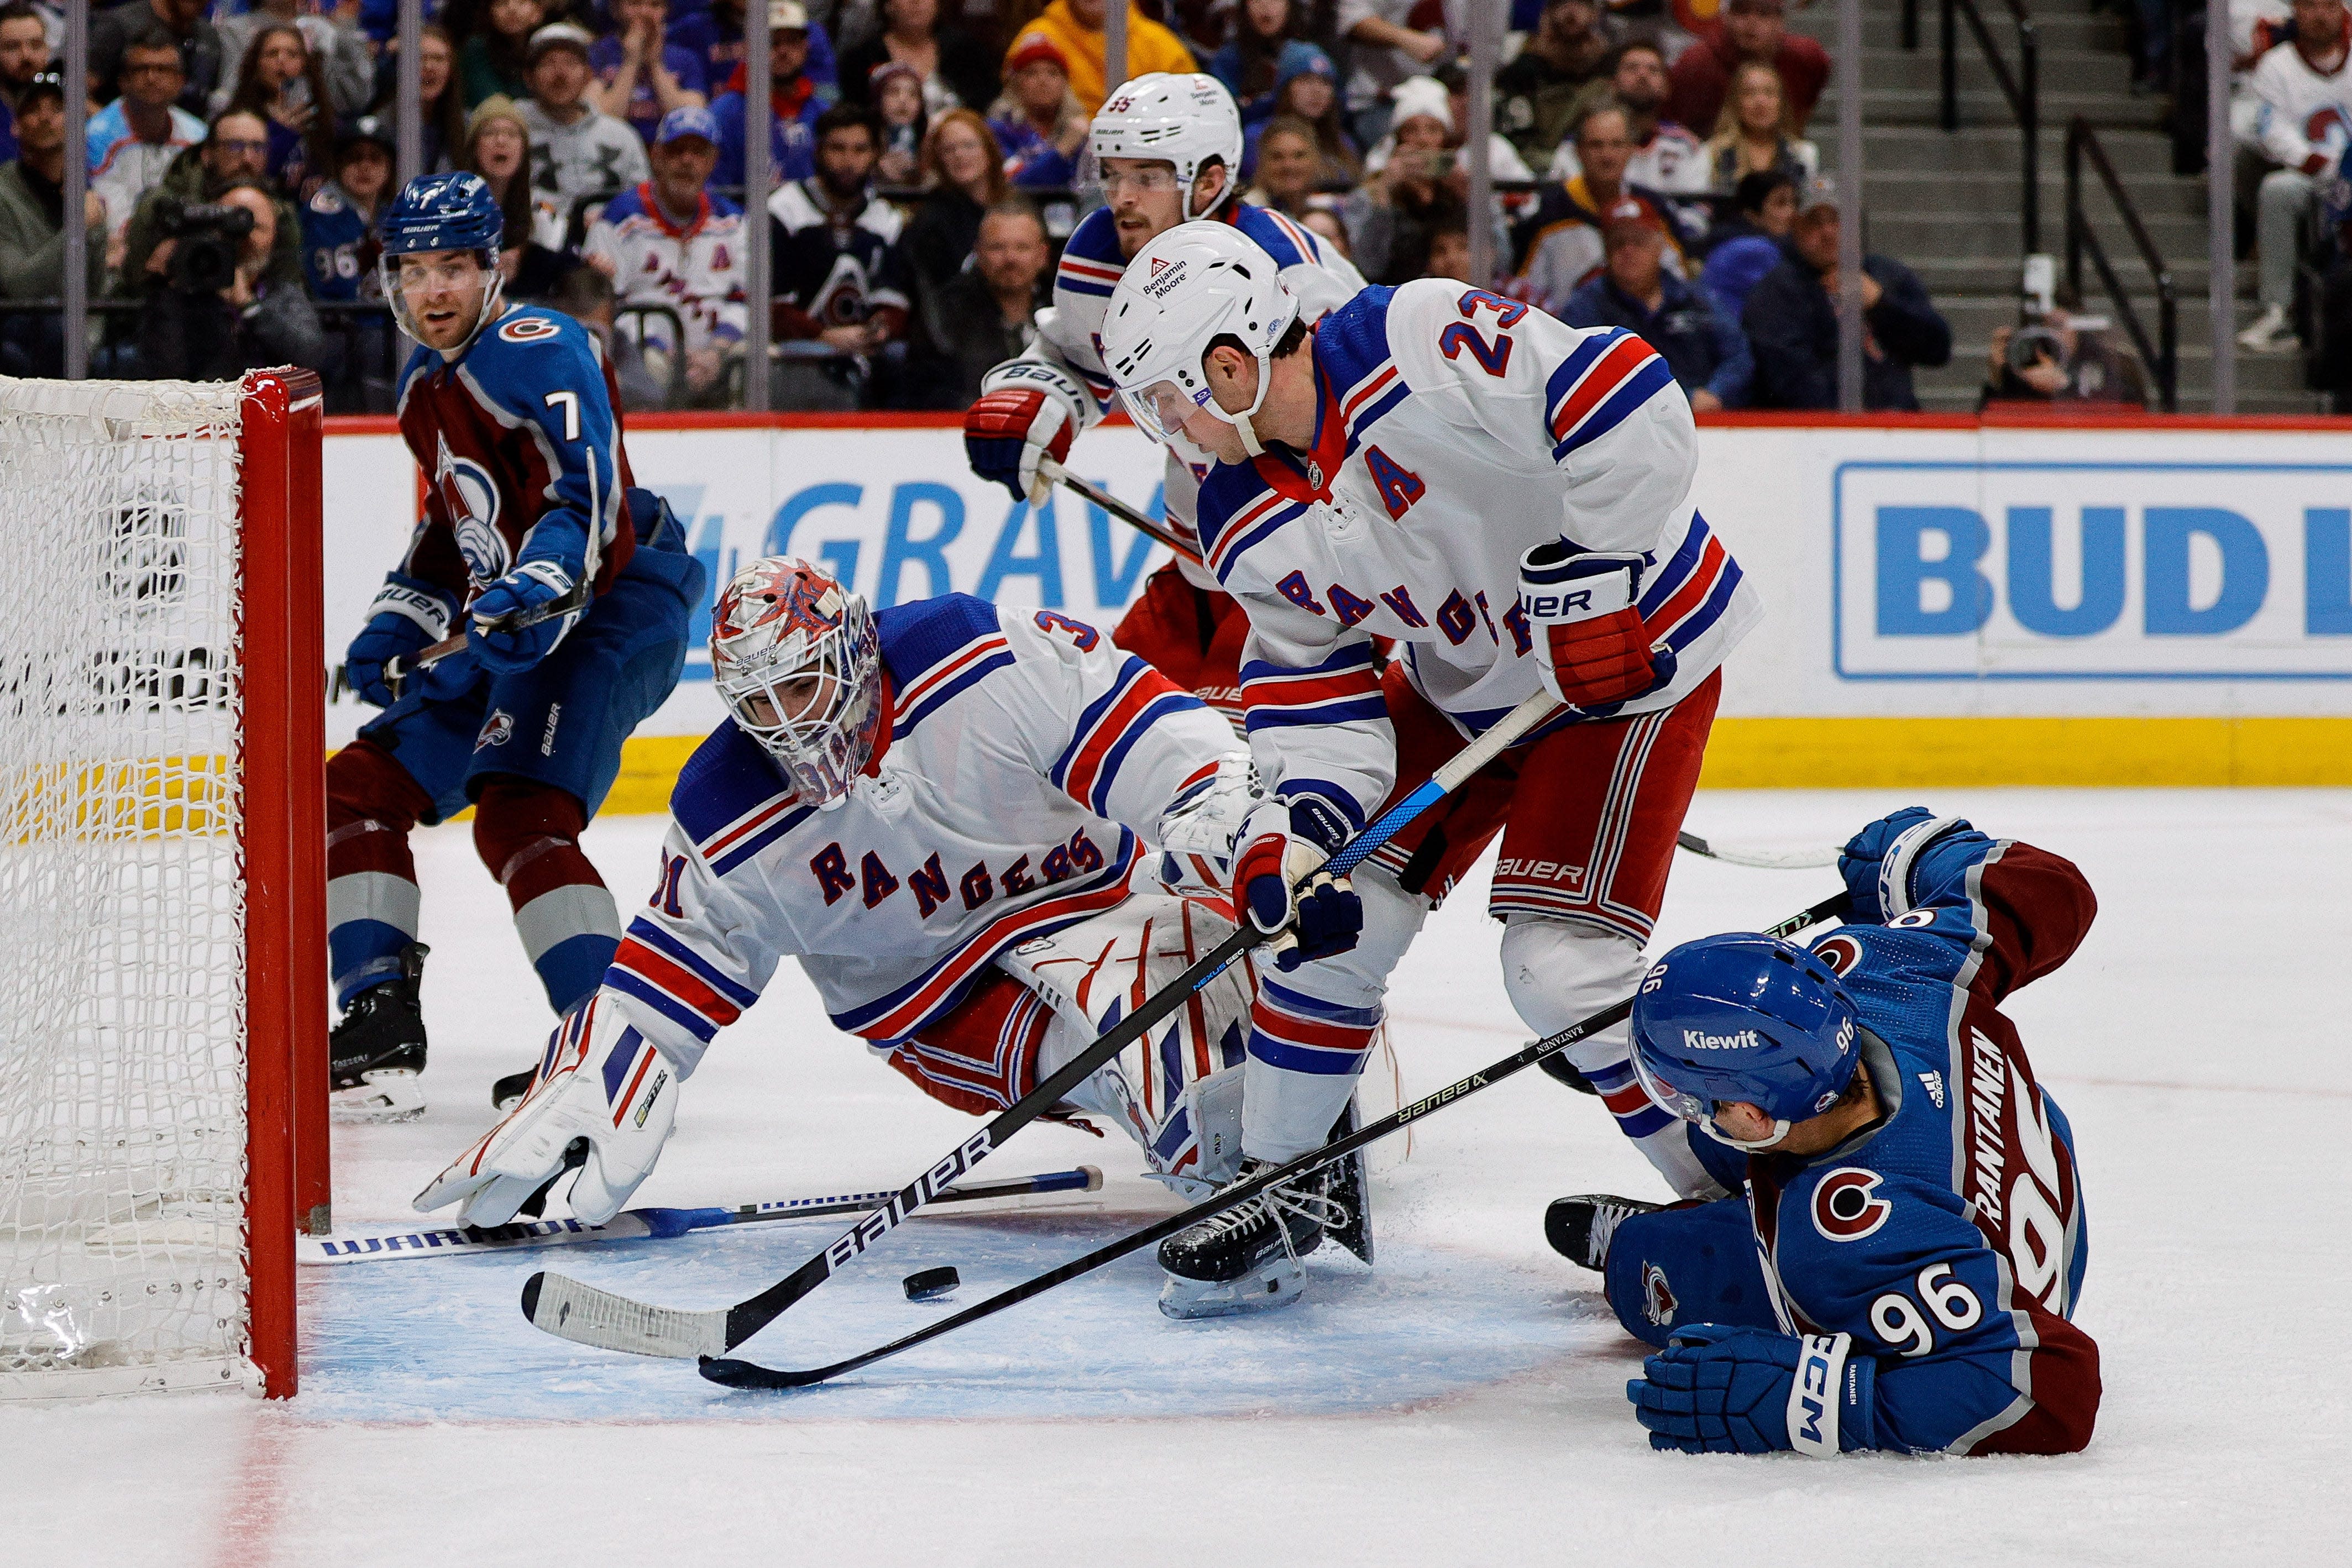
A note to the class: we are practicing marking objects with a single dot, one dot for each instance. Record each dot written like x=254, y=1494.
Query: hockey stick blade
x=659, y=1224
x=747, y=1317
x=1761, y=859
x=735, y=1373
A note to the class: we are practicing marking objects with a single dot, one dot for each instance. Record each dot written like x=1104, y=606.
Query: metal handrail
x=2023, y=90
x=2163, y=357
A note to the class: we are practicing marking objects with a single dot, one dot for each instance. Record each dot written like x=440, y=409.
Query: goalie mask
x=796, y=659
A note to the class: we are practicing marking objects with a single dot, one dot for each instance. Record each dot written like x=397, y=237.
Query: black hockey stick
x=588, y=1315
x=747, y=1374
x=1054, y=473
x=395, y=671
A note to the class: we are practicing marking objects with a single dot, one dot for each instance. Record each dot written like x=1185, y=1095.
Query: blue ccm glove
x=1877, y=862
x=527, y=588
x=408, y=616
x=1721, y=1390
x=1281, y=845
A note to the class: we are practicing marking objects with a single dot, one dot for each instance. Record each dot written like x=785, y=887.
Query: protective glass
x=821, y=735
x=1676, y=1102
x=448, y=271
x=1147, y=181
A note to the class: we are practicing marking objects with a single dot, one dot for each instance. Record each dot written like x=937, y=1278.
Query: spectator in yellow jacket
x=1076, y=27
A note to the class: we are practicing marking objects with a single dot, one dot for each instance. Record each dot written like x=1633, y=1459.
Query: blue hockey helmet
x=443, y=212
x=1743, y=1017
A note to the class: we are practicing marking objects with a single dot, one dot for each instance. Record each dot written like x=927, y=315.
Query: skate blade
x=387, y=1094
x=1277, y=1285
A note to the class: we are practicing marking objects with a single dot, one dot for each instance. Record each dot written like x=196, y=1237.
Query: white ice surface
x=1461, y=1404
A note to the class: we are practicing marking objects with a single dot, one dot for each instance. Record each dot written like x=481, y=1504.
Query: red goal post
x=163, y=1029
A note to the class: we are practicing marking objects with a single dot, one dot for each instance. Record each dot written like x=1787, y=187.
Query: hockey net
x=153, y=793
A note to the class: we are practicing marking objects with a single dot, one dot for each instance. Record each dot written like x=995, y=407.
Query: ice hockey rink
x=1461, y=1403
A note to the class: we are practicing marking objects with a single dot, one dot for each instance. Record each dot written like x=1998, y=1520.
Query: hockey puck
x=931, y=1284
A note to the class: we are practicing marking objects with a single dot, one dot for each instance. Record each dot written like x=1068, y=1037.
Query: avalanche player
x=937, y=809
x=1508, y=497
x=573, y=598
x=1169, y=149
x=1917, y=1247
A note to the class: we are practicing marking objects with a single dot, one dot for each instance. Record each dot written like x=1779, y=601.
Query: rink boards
x=2142, y=602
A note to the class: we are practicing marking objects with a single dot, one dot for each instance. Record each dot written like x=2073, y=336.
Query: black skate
x=1245, y=1258
x=507, y=1091
x=377, y=1054
x=1580, y=1228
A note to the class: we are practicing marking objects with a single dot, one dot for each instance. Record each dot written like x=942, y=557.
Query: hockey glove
x=495, y=639
x=1027, y=411
x=603, y=1105
x=1716, y=1389
x=1196, y=833
x=1877, y=862
x=408, y=616
x=1282, y=845
x=1595, y=652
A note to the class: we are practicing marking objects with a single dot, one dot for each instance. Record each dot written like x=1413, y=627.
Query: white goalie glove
x=1196, y=833
x=603, y=1105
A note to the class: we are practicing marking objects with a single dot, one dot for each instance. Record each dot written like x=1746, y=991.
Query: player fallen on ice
x=1904, y=1269
x=940, y=810
x=573, y=591
x=1167, y=148
x=1509, y=498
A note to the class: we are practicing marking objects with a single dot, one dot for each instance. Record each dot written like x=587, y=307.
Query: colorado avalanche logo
x=1840, y=952
x=1846, y=1207
x=470, y=499
x=496, y=731
x=1658, y=1302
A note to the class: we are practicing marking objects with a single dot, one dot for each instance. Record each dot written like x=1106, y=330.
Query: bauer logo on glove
x=1595, y=652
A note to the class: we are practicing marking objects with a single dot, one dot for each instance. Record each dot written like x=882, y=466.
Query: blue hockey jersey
x=1947, y=1238
x=520, y=439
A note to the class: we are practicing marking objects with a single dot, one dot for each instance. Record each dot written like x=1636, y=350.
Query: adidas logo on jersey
x=1934, y=1084
x=1694, y=1039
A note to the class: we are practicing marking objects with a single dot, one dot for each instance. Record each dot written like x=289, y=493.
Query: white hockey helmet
x=1193, y=285
x=797, y=660
x=1181, y=120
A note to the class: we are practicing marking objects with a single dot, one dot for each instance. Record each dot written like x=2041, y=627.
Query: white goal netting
x=123, y=906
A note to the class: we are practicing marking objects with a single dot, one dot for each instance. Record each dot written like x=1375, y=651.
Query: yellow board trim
x=1901, y=753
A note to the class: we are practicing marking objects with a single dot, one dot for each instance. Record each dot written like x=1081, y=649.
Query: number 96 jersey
x=520, y=439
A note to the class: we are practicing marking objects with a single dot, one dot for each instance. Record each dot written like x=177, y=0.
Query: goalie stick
x=1762, y=860
x=585, y=1314
x=1052, y=473
x=747, y=1374
x=633, y=1224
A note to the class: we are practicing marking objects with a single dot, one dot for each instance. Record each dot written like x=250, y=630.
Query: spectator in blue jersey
x=841, y=289
x=640, y=75
x=1037, y=121
x=24, y=55
x=339, y=221
x=1790, y=318
x=715, y=33
x=1706, y=352
x=1264, y=41
x=1746, y=245
x=793, y=102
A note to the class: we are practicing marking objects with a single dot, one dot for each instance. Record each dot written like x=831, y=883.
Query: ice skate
x=1580, y=1228
x=1247, y=1259
x=376, y=1054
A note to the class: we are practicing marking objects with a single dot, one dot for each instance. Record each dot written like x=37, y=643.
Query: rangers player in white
x=937, y=810
x=1169, y=149
x=1508, y=497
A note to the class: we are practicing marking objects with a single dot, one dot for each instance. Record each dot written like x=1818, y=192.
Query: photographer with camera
x=2060, y=355
x=219, y=313
x=236, y=151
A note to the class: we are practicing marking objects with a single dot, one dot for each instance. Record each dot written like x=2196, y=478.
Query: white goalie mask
x=796, y=657
x=1181, y=121
x=1196, y=283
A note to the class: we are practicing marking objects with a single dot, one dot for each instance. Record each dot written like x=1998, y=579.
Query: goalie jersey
x=1455, y=429
x=1949, y=1238
x=520, y=439
x=1023, y=752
